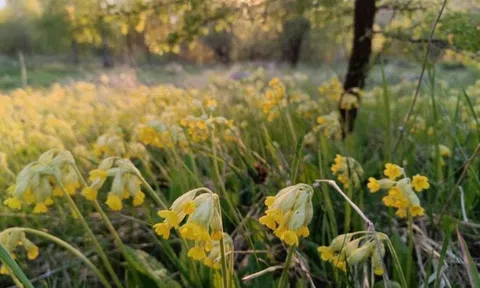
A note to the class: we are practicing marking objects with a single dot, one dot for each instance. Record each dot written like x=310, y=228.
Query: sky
x=2, y=3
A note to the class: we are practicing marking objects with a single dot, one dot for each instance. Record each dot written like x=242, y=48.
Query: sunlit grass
x=136, y=150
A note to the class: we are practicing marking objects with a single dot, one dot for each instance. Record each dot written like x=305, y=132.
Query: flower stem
x=84, y=223
x=152, y=193
x=224, y=264
x=223, y=256
x=410, y=247
x=68, y=247
x=112, y=230
x=284, y=277
x=221, y=183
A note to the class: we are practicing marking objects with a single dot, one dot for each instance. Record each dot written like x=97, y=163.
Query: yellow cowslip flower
x=375, y=185
x=10, y=239
x=344, y=250
x=347, y=170
x=333, y=89
x=90, y=193
x=444, y=151
x=420, y=183
x=417, y=211
x=36, y=182
x=114, y=202
x=328, y=253
x=197, y=253
x=126, y=183
x=148, y=136
x=176, y=213
x=13, y=203
x=289, y=213
x=197, y=128
x=110, y=144
x=329, y=125
x=400, y=193
x=377, y=260
x=4, y=270
x=32, y=249
x=211, y=104
x=392, y=171
x=348, y=101
x=40, y=208
x=203, y=225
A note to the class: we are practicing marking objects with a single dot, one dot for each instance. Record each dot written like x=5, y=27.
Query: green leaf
x=472, y=271
x=381, y=284
x=151, y=267
x=17, y=271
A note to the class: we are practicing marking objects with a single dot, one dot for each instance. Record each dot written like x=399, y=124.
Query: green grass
x=232, y=170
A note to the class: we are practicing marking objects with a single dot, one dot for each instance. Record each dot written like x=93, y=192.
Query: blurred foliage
x=228, y=31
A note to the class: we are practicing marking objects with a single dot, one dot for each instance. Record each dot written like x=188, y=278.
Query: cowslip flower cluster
x=109, y=144
x=203, y=224
x=444, y=151
x=332, y=89
x=329, y=125
x=350, y=99
x=197, y=128
x=275, y=97
x=37, y=182
x=214, y=255
x=10, y=239
x=401, y=193
x=347, y=170
x=125, y=184
x=289, y=213
x=344, y=251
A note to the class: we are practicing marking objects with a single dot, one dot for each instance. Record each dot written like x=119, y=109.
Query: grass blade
x=13, y=266
x=473, y=276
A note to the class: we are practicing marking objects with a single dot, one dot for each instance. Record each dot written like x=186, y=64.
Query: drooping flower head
x=125, y=184
x=401, y=195
x=345, y=251
x=204, y=221
x=289, y=213
x=214, y=256
x=347, y=170
x=36, y=184
x=329, y=125
x=10, y=239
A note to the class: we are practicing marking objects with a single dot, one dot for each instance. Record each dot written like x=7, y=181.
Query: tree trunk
x=364, y=17
x=75, y=58
x=107, y=58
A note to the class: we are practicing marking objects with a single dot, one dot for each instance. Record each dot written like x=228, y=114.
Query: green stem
x=222, y=249
x=112, y=230
x=290, y=125
x=15, y=279
x=224, y=263
x=153, y=194
x=84, y=223
x=284, y=277
x=220, y=181
x=397, y=263
x=68, y=247
x=348, y=208
x=150, y=190
x=410, y=247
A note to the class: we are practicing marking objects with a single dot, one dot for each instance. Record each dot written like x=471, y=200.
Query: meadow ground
x=244, y=132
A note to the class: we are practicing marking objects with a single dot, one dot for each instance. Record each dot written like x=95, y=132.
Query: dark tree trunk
x=106, y=57
x=75, y=58
x=359, y=59
x=294, y=32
